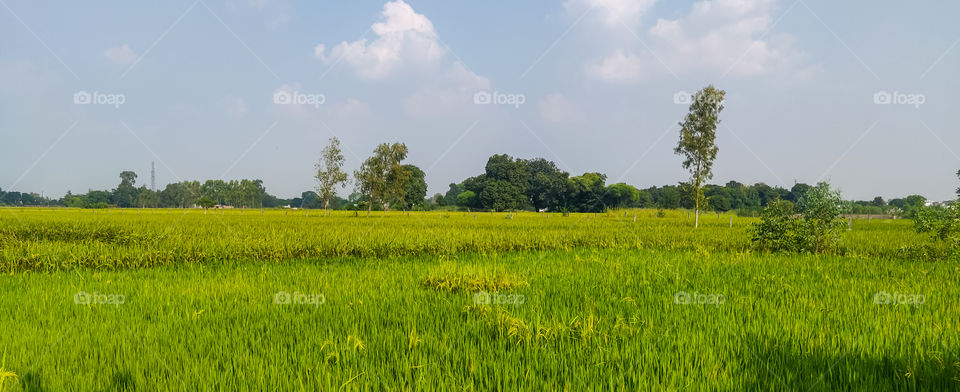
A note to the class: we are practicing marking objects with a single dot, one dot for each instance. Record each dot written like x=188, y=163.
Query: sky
x=859, y=93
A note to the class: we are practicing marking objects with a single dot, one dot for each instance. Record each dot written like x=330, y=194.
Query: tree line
x=384, y=182
x=506, y=184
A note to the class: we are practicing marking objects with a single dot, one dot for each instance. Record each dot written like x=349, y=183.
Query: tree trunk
x=696, y=219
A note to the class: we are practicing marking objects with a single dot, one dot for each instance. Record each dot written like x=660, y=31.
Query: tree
x=622, y=195
x=381, y=178
x=438, y=200
x=506, y=184
x=450, y=198
x=909, y=205
x=308, y=199
x=125, y=194
x=545, y=184
x=465, y=198
x=821, y=226
x=667, y=196
x=697, y=145
x=329, y=172
x=798, y=191
x=146, y=197
x=215, y=190
x=206, y=202
x=720, y=202
x=585, y=192
x=416, y=187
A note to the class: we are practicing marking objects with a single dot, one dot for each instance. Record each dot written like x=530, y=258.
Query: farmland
x=295, y=300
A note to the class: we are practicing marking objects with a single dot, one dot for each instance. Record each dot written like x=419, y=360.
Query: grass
x=48, y=240
x=599, y=304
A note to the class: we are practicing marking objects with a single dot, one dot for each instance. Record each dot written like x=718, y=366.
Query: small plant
x=6, y=375
x=813, y=226
x=661, y=213
x=942, y=224
x=777, y=227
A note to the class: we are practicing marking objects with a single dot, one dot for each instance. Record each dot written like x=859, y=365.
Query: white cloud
x=407, y=49
x=557, y=109
x=121, y=55
x=717, y=36
x=404, y=39
x=619, y=67
x=612, y=12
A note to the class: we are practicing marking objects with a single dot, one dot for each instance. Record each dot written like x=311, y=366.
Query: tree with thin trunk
x=382, y=178
x=697, y=145
x=330, y=172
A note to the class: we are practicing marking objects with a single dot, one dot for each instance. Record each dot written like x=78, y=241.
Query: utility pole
x=153, y=176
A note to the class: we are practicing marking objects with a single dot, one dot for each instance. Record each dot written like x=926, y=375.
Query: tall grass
x=47, y=240
x=590, y=320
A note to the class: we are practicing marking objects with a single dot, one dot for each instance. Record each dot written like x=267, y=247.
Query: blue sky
x=192, y=85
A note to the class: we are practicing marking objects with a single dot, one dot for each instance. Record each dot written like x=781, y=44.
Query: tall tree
x=381, y=178
x=546, y=184
x=698, y=141
x=125, y=194
x=585, y=192
x=621, y=195
x=504, y=184
x=416, y=187
x=330, y=172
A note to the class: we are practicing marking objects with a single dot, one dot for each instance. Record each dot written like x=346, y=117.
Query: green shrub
x=814, y=226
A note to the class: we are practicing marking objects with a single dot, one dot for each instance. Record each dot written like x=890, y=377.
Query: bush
x=943, y=224
x=776, y=230
x=814, y=226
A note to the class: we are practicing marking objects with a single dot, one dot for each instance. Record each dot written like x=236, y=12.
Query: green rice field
x=251, y=300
